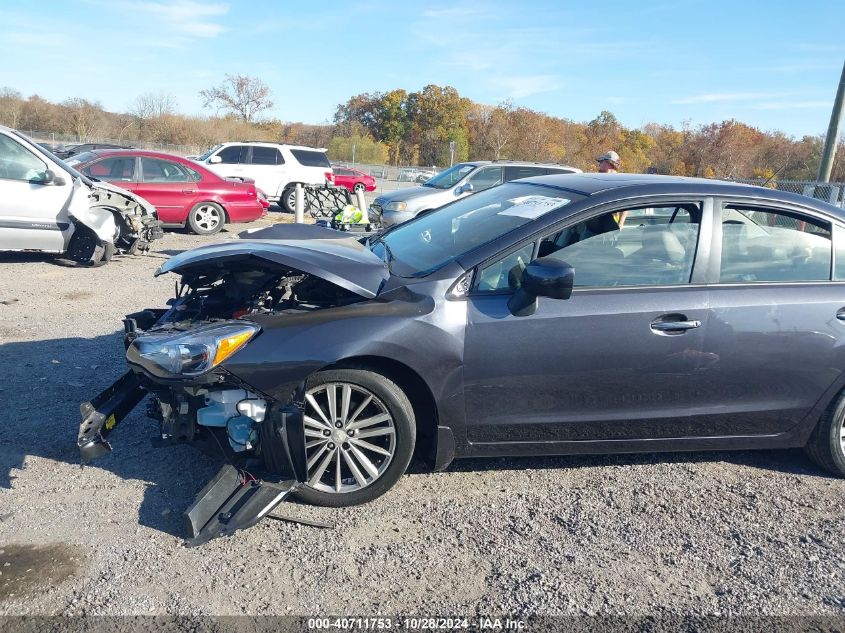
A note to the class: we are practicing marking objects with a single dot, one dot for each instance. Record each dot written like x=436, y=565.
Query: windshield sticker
x=532, y=207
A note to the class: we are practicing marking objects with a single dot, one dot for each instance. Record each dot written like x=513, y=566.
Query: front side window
x=761, y=244
x=233, y=155
x=157, y=170
x=606, y=251
x=18, y=163
x=486, y=178
x=116, y=168
x=450, y=177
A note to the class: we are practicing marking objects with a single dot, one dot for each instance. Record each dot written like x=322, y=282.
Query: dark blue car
x=553, y=315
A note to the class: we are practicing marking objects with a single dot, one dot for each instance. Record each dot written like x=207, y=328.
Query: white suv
x=275, y=168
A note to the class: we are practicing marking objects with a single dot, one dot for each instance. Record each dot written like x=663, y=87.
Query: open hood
x=325, y=253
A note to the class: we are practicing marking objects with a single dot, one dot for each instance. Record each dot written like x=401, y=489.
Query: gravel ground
x=739, y=533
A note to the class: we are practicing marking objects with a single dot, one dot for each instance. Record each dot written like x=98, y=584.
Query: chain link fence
x=58, y=139
x=832, y=192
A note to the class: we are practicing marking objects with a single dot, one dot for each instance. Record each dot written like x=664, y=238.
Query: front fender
x=99, y=220
x=427, y=339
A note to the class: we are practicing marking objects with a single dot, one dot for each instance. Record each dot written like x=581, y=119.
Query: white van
x=275, y=168
x=50, y=207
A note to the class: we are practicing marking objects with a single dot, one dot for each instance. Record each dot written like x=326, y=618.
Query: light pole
x=832, y=139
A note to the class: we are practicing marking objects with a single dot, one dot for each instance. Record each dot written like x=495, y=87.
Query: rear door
x=266, y=166
x=775, y=333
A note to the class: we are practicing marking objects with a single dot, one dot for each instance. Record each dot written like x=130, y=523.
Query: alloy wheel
x=350, y=437
x=206, y=217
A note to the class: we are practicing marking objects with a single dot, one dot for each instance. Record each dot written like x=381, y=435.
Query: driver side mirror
x=467, y=188
x=544, y=277
x=49, y=177
x=215, y=159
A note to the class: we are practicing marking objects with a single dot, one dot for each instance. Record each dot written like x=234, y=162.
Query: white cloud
x=454, y=12
x=521, y=86
x=792, y=105
x=186, y=20
x=716, y=97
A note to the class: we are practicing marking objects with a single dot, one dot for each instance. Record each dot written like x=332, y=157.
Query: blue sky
x=773, y=64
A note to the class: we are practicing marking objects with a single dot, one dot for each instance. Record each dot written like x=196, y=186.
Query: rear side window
x=116, y=168
x=559, y=170
x=266, y=156
x=761, y=244
x=310, y=158
x=156, y=170
x=233, y=154
x=514, y=172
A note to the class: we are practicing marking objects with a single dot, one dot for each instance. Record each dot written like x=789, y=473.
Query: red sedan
x=183, y=192
x=353, y=179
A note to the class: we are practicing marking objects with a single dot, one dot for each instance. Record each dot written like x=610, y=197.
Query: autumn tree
x=243, y=96
x=11, y=107
x=82, y=117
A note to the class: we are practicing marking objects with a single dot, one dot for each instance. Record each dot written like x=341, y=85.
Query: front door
x=615, y=361
x=169, y=187
x=33, y=213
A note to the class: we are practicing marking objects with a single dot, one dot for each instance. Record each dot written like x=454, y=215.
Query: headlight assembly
x=395, y=206
x=190, y=353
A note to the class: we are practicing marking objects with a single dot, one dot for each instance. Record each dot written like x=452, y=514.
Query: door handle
x=674, y=324
x=189, y=190
x=668, y=326
x=840, y=314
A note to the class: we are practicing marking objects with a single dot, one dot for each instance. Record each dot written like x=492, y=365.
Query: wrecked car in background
x=47, y=206
x=570, y=314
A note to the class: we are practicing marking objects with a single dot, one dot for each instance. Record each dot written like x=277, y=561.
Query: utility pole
x=832, y=139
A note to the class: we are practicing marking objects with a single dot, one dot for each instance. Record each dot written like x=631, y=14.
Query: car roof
x=115, y=151
x=272, y=144
x=652, y=184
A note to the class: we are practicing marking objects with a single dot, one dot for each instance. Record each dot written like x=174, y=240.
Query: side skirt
x=604, y=447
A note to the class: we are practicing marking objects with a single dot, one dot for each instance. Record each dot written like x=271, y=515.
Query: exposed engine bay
x=250, y=430
x=235, y=289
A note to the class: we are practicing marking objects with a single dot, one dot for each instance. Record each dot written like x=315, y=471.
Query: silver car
x=456, y=182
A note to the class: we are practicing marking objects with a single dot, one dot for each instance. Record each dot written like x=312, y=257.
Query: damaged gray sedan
x=47, y=206
x=557, y=315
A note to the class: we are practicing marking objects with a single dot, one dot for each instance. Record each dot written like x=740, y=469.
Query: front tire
x=206, y=218
x=826, y=446
x=360, y=435
x=359, y=187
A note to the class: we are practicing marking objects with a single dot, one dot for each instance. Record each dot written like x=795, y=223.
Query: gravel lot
x=740, y=533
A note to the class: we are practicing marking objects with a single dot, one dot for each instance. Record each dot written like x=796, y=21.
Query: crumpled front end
x=136, y=220
x=178, y=358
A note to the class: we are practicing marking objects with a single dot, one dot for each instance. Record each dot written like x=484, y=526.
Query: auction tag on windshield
x=532, y=207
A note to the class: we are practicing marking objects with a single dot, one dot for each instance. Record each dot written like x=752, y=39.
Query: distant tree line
x=416, y=128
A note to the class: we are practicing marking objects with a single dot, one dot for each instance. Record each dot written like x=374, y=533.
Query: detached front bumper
x=234, y=499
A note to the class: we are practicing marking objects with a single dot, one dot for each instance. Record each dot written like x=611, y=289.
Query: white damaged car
x=47, y=206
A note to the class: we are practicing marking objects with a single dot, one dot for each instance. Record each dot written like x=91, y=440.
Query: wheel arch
x=415, y=388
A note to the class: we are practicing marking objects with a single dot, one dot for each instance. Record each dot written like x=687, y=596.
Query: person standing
x=609, y=163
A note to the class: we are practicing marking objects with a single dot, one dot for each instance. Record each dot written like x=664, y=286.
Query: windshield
x=58, y=161
x=430, y=241
x=208, y=153
x=451, y=176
